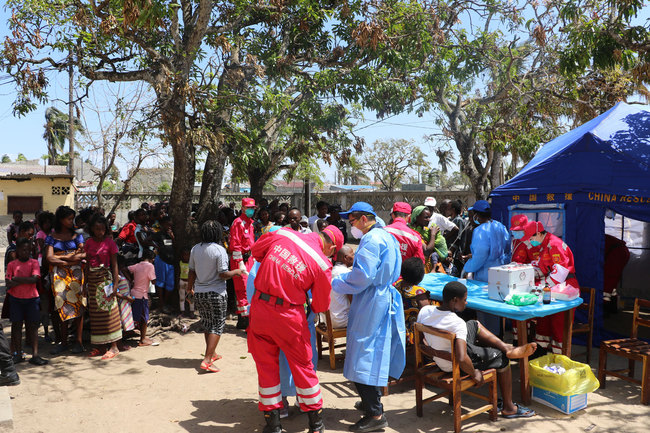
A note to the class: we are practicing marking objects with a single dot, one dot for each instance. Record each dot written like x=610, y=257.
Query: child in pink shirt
x=143, y=274
x=23, y=277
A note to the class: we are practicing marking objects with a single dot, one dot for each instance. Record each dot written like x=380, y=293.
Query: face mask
x=356, y=233
x=249, y=212
x=535, y=243
x=477, y=222
x=518, y=234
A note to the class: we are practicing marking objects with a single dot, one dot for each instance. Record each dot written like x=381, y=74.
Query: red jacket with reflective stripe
x=242, y=237
x=410, y=241
x=292, y=263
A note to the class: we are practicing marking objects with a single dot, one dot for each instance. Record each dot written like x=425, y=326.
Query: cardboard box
x=563, y=403
x=511, y=278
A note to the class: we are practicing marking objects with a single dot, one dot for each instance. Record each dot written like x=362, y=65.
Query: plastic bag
x=578, y=378
x=521, y=299
x=565, y=292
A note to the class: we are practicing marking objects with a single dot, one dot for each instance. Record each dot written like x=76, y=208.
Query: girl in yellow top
x=184, y=267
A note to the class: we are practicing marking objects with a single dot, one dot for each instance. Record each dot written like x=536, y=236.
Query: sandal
x=210, y=368
x=96, y=352
x=109, y=355
x=216, y=357
x=522, y=412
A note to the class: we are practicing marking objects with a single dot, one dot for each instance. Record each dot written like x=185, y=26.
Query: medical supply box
x=511, y=278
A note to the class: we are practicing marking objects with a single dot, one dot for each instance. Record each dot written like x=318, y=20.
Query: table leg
x=522, y=337
x=568, y=333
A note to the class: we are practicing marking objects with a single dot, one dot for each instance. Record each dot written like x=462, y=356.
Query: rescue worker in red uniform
x=552, y=260
x=519, y=248
x=242, y=238
x=410, y=241
x=291, y=264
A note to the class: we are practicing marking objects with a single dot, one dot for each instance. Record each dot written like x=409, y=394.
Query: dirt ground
x=162, y=389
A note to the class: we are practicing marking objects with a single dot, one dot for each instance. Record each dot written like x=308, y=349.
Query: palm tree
x=56, y=132
x=445, y=159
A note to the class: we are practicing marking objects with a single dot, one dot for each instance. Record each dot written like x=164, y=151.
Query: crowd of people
x=283, y=271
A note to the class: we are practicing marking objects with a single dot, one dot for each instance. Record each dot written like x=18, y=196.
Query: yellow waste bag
x=578, y=378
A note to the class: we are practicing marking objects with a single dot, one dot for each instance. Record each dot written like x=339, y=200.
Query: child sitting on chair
x=475, y=347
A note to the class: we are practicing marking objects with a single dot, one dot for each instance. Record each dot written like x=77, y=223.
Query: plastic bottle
x=546, y=295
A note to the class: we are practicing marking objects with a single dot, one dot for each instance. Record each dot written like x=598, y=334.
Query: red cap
x=400, y=206
x=517, y=222
x=248, y=202
x=335, y=234
x=531, y=228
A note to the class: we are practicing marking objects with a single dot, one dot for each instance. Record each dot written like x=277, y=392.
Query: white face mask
x=355, y=232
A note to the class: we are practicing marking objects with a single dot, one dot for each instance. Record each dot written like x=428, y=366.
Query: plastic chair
x=453, y=383
x=631, y=348
x=330, y=334
x=586, y=328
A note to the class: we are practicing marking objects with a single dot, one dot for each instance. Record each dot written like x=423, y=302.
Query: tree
x=56, y=133
x=419, y=162
x=21, y=157
x=352, y=172
x=390, y=161
x=5, y=158
x=445, y=158
x=607, y=35
x=164, y=187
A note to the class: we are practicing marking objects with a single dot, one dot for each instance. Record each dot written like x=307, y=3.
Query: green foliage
x=21, y=157
x=605, y=34
x=5, y=159
x=164, y=187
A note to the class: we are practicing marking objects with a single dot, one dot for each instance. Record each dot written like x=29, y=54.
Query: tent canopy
x=607, y=155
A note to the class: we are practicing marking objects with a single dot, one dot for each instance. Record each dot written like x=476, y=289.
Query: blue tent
x=603, y=164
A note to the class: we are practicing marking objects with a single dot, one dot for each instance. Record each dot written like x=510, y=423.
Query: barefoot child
x=184, y=267
x=475, y=346
x=143, y=273
x=22, y=279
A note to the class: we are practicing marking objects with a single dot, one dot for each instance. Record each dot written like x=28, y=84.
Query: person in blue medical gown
x=490, y=247
x=376, y=331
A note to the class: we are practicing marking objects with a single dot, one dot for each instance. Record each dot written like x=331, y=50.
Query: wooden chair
x=330, y=334
x=454, y=383
x=586, y=328
x=631, y=348
x=409, y=369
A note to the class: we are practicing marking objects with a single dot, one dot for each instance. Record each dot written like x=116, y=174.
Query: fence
x=382, y=201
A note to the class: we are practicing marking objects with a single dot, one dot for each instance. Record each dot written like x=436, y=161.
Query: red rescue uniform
x=242, y=238
x=290, y=265
x=555, y=262
x=410, y=241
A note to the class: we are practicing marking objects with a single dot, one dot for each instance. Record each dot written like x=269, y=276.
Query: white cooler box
x=511, y=278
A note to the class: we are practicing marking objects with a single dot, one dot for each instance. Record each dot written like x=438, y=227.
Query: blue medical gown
x=287, y=385
x=376, y=334
x=490, y=247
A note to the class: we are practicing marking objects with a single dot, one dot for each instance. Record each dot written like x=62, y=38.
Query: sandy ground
x=162, y=389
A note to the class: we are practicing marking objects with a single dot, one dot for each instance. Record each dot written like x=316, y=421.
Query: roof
x=608, y=154
x=20, y=177
x=32, y=168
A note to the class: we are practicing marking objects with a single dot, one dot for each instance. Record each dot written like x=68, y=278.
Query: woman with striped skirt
x=102, y=270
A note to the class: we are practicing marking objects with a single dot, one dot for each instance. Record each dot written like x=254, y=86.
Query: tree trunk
x=211, y=185
x=180, y=202
x=257, y=180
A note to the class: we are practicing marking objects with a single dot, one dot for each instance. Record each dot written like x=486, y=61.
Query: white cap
x=430, y=201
